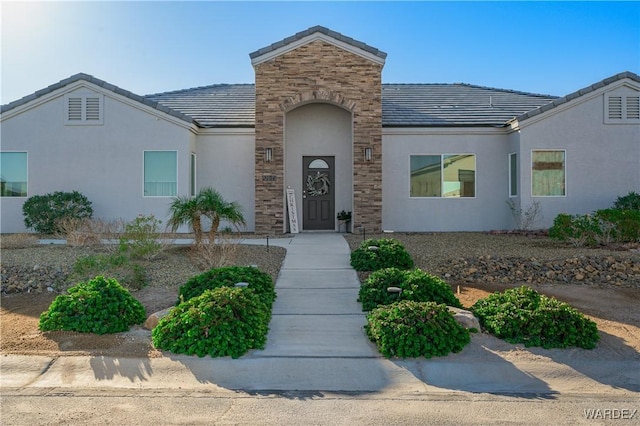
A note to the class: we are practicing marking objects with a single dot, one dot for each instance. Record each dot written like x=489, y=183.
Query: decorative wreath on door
x=318, y=184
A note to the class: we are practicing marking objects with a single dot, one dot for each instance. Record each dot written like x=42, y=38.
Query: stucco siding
x=320, y=129
x=487, y=210
x=225, y=162
x=602, y=160
x=104, y=162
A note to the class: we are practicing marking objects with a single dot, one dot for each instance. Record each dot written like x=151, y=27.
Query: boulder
x=465, y=318
x=153, y=319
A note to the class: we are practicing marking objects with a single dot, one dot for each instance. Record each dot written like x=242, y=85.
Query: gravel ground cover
x=613, y=304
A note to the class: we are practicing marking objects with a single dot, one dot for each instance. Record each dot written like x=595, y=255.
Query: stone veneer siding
x=318, y=72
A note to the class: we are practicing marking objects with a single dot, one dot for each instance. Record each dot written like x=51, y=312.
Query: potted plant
x=344, y=217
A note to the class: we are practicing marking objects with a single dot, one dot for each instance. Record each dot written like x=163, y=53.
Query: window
x=548, y=173
x=622, y=109
x=447, y=175
x=192, y=177
x=13, y=174
x=160, y=173
x=83, y=109
x=513, y=175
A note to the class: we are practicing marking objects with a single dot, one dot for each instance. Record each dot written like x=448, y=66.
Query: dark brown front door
x=318, y=193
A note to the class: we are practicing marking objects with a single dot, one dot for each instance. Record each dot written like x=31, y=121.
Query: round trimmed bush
x=260, y=282
x=43, y=213
x=99, y=306
x=416, y=285
x=522, y=315
x=382, y=253
x=409, y=329
x=220, y=322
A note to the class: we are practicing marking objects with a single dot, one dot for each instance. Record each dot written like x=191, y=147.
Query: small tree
x=43, y=213
x=208, y=203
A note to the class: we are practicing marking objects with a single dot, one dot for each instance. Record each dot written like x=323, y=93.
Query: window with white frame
x=621, y=108
x=513, y=174
x=445, y=175
x=548, y=178
x=160, y=173
x=84, y=109
x=13, y=174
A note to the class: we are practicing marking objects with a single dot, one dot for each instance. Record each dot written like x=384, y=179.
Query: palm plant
x=186, y=211
x=218, y=209
x=208, y=203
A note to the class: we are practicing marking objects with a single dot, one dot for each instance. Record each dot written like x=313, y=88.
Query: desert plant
x=208, y=256
x=622, y=225
x=43, y=212
x=579, y=230
x=219, y=322
x=258, y=281
x=117, y=265
x=415, y=285
x=140, y=238
x=631, y=201
x=78, y=232
x=522, y=315
x=525, y=219
x=99, y=306
x=17, y=241
x=208, y=203
x=382, y=253
x=415, y=329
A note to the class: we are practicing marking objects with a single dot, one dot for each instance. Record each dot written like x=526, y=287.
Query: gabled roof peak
x=311, y=34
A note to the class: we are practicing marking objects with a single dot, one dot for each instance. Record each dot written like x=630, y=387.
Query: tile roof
x=218, y=105
x=406, y=105
x=403, y=105
x=421, y=105
x=322, y=30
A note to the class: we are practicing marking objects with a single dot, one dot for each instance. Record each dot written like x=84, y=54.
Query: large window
x=513, y=175
x=548, y=173
x=447, y=175
x=160, y=173
x=13, y=174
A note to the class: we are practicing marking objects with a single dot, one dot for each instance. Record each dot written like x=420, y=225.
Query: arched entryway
x=318, y=163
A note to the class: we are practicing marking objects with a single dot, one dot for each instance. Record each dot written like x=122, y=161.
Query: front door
x=318, y=193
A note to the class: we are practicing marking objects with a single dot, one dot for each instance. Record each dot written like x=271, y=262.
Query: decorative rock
x=154, y=318
x=465, y=318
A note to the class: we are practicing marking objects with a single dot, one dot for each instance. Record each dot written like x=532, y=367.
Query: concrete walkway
x=317, y=343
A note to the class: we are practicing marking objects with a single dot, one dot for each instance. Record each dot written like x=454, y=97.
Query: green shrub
x=579, y=230
x=416, y=285
x=522, y=315
x=99, y=306
x=260, y=282
x=622, y=225
x=631, y=201
x=378, y=254
x=409, y=329
x=42, y=213
x=130, y=274
x=140, y=238
x=220, y=322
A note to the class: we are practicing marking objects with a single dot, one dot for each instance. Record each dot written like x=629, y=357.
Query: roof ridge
x=476, y=86
x=209, y=86
x=318, y=29
x=576, y=94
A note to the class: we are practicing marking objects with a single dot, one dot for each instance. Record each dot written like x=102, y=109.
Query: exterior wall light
x=268, y=155
x=368, y=154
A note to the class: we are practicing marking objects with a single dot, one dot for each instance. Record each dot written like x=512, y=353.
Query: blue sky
x=149, y=47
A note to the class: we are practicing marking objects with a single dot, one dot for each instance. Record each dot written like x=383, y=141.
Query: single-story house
x=317, y=133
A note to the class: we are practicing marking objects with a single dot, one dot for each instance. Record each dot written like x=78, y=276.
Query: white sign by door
x=293, y=211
